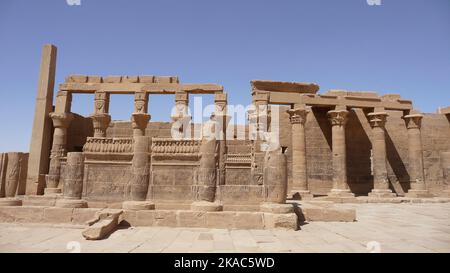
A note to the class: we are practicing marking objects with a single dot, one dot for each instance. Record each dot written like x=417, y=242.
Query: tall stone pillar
x=338, y=119
x=73, y=182
x=415, y=157
x=205, y=188
x=140, y=118
x=380, y=176
x=220, y=101
x=61, y=122
x=259, y=124
x=42, y=126
x=299, y=173
x=140, y=176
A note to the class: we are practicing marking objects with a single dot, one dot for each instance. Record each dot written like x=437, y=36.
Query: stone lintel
x=131, y=88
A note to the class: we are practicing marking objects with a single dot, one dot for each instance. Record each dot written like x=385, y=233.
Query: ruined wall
x=110, y=182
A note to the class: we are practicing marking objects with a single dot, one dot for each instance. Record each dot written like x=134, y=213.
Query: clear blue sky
x=402, y=46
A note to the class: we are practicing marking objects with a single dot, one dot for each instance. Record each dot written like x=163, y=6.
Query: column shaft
x=299, y=173
x=338, y=119
x=415, y=156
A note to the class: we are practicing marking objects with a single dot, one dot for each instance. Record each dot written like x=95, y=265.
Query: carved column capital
x=338, y=117
x=413, y=121
x=61, y=120
x=297, y=115
x=377, y=119
x=139, y=122
x=101, y=122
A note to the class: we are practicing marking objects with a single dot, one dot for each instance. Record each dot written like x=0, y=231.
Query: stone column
x=101, y=118
x=259, y=124
x=338, y=119
x=181, y=119
x=445, y=164
x=12, y=180
x=415, y=157
x=140, y=118
x=380, y=176
x=220, y=101
x=73, y=182
x=140, y=176
x=61, y=122
x=299, y=174
x=42, y=125
x=205, y=188
x=275, y=177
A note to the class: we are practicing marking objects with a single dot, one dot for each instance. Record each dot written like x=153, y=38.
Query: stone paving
x=380, y=228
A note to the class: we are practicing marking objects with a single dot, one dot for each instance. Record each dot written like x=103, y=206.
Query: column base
x=419, y=194
x=52, y=191
x=71, y=203
x=138, y=205
x=300, y=195
x=276, y=208
x=206, y=206
x=378, y=193
x=10, y=202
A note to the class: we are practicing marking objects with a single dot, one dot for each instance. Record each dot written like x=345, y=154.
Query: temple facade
x=335, y=145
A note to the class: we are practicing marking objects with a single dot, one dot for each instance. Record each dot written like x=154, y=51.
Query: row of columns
x=101, y=119
x=338, y=119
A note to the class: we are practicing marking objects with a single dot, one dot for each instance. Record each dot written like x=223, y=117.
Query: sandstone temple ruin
x=336, y=146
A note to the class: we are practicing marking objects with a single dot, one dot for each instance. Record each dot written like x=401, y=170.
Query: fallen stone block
x=105, y=222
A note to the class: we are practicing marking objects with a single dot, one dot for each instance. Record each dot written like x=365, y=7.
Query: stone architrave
x=380, y=175
x=415, y=157
x=297, y=118
x=73, y=182
x=338, y=119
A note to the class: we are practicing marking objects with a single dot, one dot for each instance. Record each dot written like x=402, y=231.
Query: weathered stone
x=58, y=215
x=205, y=206
x=277, y=208
x=329, y=214
x=138, y=205
x=103, y=227
x=281, y=221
